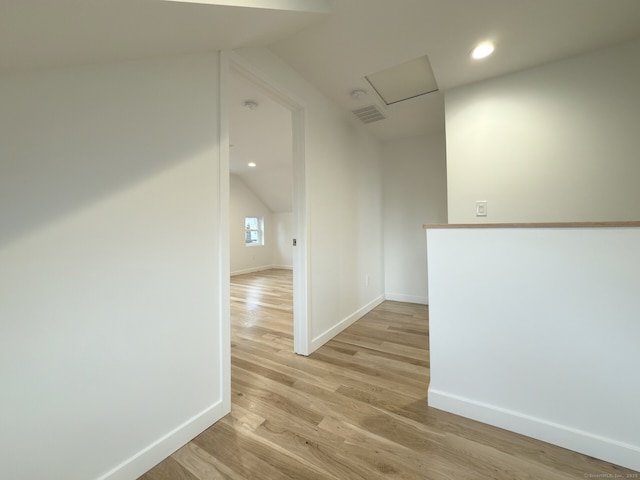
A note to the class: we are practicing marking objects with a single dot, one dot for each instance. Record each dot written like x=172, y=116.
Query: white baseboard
x=400, y=297
x=350, y=320
x=282, y=267
x=251, y=270
x=261, y=269
x=149, y=457
x=607, y=449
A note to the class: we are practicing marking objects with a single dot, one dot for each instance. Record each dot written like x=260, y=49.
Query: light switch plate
x=481, y=208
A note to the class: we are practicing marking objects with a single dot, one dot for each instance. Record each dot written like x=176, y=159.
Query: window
x=253, y=234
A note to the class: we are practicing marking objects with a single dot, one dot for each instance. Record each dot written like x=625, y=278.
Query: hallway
x=354, y=409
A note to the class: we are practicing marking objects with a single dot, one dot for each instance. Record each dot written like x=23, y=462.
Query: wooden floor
x=354, y=409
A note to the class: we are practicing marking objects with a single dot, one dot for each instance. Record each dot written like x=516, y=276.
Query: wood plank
x=169, y=469
x=355, y=409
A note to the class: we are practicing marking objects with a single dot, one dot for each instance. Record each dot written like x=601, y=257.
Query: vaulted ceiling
x=361, y=37
x=261, y=133
x=334, y=51
x=333, y=43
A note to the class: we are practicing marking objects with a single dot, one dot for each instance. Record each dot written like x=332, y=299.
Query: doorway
x=277, y=181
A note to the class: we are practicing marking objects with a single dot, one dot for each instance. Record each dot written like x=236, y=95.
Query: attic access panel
x=402, y=82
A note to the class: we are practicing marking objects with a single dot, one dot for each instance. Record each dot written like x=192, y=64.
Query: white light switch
x=481, y=208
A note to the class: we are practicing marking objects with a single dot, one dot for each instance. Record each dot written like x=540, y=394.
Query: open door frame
x=232, y=62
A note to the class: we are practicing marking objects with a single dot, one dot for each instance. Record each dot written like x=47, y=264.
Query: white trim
x=260, y=230
x=347, y=322
x=603, y=448
x=302, y=250
x=150, y=456
x=224, y=257
x=261, y=269
x=401, y=297
x=281, y=267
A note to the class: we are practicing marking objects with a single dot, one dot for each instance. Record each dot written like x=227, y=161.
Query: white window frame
x=259, y=230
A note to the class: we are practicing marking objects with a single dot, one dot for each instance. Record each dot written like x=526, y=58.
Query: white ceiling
x=334, y=51
x=53, y=33
x=365, y=36
x=263, y=136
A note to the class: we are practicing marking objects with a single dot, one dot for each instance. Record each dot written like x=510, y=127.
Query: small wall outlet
x=481, y=208
x=366, y=280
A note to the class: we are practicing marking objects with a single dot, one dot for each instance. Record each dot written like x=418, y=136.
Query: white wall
x=110, y=332
x=555, y=143
x=536, y=331
x=276, y=251
x=282, y=236
x=344, y=204
x=415, y=193
x=243, y=203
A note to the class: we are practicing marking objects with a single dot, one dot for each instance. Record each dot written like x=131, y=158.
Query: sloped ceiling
x=334, y=51
x=262, y=135
x=36, y=34
x=361, y=37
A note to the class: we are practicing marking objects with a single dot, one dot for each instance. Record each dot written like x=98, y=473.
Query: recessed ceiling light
x=251, y=164
x=483, y=50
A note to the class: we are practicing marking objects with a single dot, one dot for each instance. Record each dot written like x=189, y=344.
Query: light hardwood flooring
x=354, y=409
